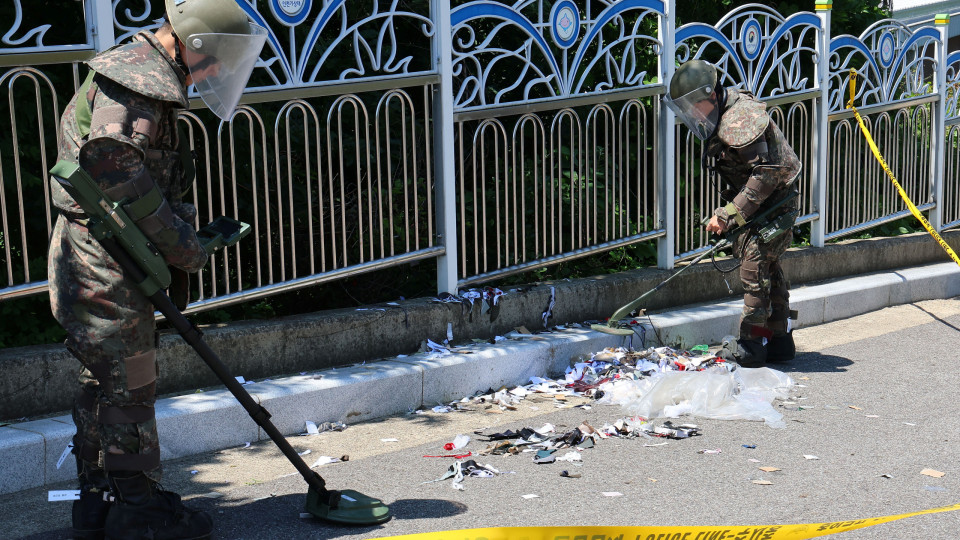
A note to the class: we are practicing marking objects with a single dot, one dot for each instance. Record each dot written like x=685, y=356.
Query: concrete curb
x=213, y=420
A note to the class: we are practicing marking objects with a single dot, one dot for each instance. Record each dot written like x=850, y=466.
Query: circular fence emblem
x=750, y=39
x=290, y=12
x=886, y=49
x=565, y=20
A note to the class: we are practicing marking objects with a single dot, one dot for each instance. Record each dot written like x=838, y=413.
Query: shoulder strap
x=83, y=112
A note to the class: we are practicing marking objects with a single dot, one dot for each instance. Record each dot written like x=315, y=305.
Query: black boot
x=143, y=510
x=747, y=353
x=781, y=348
x=90, y=512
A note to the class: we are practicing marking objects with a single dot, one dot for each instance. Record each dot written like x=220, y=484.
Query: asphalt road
x=879, y=397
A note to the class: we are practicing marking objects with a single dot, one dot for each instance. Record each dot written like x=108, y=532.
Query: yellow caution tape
x=903, y=194
x=749, y=532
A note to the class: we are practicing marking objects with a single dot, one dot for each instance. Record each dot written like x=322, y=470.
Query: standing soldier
x=121, y=128
x=758, y=168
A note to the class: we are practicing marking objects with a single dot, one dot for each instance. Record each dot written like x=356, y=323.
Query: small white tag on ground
x=63, y=495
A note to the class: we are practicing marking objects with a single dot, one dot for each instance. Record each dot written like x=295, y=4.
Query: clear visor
x=697, y=110
x=221, y=64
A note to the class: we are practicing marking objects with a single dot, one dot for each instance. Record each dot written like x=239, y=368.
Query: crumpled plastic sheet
x=715, y=393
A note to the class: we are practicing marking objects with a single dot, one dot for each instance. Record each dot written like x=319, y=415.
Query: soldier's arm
x=121, y=127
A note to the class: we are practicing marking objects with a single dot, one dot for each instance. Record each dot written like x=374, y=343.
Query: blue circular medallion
x=565, y=23
x=750, y=39
x=290, y=12
x=886, y=49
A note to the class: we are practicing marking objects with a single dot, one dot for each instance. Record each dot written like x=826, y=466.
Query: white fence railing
x=496, y=137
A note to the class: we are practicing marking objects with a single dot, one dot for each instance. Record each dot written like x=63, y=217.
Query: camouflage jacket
x=131, y=150
x=752, y=157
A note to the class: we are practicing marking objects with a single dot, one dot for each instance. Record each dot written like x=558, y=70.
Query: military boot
x=781, y=348
x=90, y=511
x=746, y=352
x=143, y=510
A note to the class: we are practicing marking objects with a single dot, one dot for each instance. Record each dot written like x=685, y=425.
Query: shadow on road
x=426, y=508
x=814, y=362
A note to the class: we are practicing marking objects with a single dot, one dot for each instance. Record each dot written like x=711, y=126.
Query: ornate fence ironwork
x=496, y=136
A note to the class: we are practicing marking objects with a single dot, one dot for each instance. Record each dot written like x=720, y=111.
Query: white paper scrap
x=460, y=441
x=305, y=452
x=449, y=332
x=63, y=456
x=63, y=495
x=612, y=494
x=324, y=460
x=246, y=445
x=808, y=456
x=312, y=428
x=530, y=496
x=194, y=471
x=571, y=457
x=389, y=440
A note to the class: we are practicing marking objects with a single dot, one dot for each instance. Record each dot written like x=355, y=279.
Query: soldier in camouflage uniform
x=758, y=168
x=122, y=130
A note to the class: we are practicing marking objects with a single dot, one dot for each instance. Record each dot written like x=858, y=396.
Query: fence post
x=938, y=126
x=443, y=147
x=820, y=168
x=100, y=24
x=666, y=207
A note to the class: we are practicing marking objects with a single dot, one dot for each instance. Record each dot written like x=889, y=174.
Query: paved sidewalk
x=878, y=405
x=212, y=420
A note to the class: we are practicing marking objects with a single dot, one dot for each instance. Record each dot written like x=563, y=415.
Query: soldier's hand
x=716, y=226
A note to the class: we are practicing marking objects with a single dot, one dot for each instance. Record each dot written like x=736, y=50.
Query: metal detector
x=767, y=227
x=142, y=263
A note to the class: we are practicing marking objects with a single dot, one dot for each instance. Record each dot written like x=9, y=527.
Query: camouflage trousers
x=766, y=300
x=111, y=330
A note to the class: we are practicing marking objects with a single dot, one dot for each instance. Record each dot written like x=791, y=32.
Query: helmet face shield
x=220, y=66
x=698, y=110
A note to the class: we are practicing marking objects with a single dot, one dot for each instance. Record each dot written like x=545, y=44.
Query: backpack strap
x=85, y=96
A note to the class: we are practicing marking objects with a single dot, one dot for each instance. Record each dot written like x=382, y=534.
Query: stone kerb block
x=202, y=422
x=346, y=395
x=22, y=455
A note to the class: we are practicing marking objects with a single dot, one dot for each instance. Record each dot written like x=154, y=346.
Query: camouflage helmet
x=693, y=97
x=221, y=47
x=693, y=75
x=189, y=17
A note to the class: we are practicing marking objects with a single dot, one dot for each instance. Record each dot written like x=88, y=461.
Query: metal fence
x=495, y=137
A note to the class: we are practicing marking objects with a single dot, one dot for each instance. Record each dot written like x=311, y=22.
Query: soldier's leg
x=750, y=349
x=781, y=347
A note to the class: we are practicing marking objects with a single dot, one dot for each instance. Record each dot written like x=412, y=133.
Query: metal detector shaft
x=625, y=310
x=193, y=336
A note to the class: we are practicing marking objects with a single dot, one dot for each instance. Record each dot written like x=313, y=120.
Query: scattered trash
x=768, y=469
x=751, y=446
x=763, y=482
x=194, y=471
x=854, y=407
x=390, y=440
x=305, y=452
x=808, y=456
x=932, y=473
x=325, y=460
x=612, y=494
x=63, y=495
x=63, y=456
x=530, y=496
x=571, y=457
x=312, y=428
x=709, y=451
x=568, y=474
x=246, y=445
x=885, y=476
x=442, y=409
